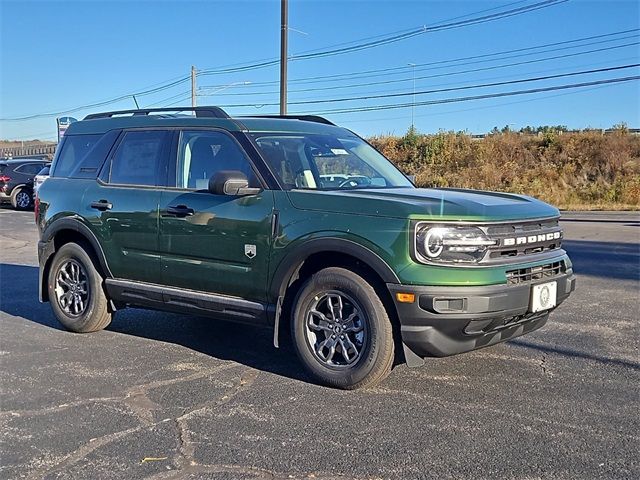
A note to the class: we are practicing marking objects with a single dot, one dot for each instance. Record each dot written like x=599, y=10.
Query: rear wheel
x=341, y=330
x=22, y=199
x=75, y=291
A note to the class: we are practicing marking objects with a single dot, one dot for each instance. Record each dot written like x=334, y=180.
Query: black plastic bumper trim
x=448, y=320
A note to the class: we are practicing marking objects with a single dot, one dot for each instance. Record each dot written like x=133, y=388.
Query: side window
x=201, y=154
x=27, y=169
x=73, y=150
x=140, y=159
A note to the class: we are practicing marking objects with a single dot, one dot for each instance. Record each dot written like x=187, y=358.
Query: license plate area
x=543, y=296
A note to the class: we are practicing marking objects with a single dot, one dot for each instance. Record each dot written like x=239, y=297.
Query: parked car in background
x=39, y=179
x=16, y=181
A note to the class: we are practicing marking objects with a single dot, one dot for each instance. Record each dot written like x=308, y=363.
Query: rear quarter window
x=72, y=151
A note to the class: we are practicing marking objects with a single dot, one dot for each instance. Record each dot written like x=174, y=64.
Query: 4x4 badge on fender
x=250, y=250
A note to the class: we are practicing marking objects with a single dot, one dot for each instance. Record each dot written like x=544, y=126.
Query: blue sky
x=59, y=55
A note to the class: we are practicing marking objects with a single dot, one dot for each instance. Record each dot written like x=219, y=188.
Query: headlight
x=450, y=243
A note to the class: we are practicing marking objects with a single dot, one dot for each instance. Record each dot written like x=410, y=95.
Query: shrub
x=581, y=170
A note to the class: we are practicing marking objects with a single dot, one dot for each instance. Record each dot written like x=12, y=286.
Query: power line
x=97, y=104
x=474, y=97
x=484, y=107
x=436, y=28
x=330, y=52
x=410, y=29
x=442, y=90
x=461, y=81
x=446, y=74
x=365, y=74
x=358, y=47
x=391, y=38
x=188, y=97
x=273, y=60
x=449, y=112
x=159, y=102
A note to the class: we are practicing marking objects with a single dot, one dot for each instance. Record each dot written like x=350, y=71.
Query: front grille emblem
x=507, y=242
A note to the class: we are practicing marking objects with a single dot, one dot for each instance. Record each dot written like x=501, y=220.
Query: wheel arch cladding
x=64, y=231
x=314, y=255
x=291, y=264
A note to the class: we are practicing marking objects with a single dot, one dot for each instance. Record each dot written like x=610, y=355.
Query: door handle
x=102, y=205
x=180, y=211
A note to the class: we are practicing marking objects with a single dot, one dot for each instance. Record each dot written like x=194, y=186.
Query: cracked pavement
x=166, y=396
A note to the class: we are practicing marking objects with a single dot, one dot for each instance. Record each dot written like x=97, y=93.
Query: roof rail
x=306, y=118
x=215, y=112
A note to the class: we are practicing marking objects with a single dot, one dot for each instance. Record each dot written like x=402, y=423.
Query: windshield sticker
x=339, y=151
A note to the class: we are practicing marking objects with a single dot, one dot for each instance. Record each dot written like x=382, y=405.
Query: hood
x=431, y=203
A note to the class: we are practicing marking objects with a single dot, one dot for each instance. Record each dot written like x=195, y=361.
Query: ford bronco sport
x=289, y=222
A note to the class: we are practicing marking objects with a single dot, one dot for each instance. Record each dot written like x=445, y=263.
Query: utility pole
x=284, y=31
x=193, y=86
x=413, y=103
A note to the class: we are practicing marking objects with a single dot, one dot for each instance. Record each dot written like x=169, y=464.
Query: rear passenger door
x=220, y=244
x=122, y=205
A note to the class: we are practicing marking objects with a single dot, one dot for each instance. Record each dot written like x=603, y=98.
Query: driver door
x=214, y=243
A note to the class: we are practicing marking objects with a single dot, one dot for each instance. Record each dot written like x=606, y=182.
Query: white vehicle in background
x=39, y=179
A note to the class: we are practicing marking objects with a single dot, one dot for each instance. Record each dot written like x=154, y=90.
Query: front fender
x=325, y=242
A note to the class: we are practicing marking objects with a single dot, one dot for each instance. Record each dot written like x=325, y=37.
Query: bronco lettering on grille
x=531, y=239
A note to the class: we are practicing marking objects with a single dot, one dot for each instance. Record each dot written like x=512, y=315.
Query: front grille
x=525, y=275
x=526, y=238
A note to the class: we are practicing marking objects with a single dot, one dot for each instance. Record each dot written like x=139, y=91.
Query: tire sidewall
x=355, y=287
x=73, y=251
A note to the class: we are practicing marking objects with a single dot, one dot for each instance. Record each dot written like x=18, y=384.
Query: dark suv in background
x=16, y=181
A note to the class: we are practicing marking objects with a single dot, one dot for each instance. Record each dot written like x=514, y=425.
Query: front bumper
x=448, y=320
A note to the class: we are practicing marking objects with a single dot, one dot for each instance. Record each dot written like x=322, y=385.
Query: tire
x=73, y=272
x=22, y=199
x=364, y=327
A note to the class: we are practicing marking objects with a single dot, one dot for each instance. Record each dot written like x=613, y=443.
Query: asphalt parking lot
x=165, y=396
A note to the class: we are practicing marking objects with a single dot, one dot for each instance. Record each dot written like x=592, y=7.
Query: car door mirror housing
x=231, y=182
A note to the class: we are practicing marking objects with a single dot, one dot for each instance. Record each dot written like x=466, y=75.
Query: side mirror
x=231, y=182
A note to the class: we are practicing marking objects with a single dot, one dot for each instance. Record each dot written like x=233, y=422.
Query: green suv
x=293, y=223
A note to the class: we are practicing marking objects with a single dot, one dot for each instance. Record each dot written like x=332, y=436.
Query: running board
x=182, y=300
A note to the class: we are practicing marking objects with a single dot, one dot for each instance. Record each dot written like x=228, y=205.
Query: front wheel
x=75, y=290
x=341, y=330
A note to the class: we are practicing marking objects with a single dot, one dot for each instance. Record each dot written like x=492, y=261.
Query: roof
x=101, y=123
x=23, y=160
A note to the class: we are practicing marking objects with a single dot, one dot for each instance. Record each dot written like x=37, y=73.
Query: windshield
x=327, y=162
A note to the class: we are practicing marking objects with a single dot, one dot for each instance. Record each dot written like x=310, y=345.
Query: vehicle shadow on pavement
x=253, y=346
x=248, y=345
x=570, y=352
x=604, y=259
